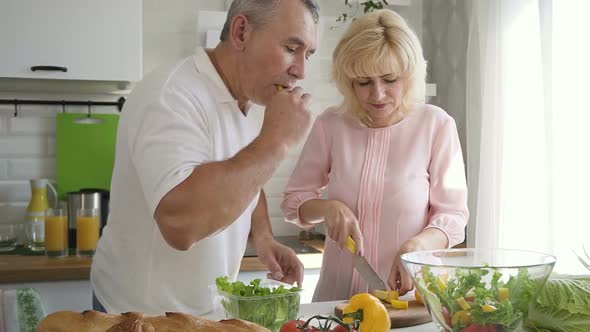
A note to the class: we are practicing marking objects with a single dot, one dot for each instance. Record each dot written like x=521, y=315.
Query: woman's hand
x=340, y=223
x=399, y=279
x=429, y=239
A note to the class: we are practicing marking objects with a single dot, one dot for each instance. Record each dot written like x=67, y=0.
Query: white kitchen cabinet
x=81, y=39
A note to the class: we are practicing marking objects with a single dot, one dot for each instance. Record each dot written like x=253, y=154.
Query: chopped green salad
x=268, y=306
x=474, y=301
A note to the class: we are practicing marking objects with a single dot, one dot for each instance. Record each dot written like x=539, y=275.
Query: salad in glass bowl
x=478, y=290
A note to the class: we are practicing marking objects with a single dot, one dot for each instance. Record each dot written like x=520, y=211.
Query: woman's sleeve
x=310, y=176
x=448, y=188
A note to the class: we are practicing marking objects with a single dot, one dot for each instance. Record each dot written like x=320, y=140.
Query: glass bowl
x=478, y=290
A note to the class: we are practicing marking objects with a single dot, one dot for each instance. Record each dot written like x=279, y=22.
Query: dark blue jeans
x=96, y=305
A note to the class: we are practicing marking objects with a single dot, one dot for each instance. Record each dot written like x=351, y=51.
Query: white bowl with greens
x=479, y=290
x=265, y=302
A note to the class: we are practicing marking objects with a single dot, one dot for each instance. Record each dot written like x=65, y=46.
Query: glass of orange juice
x=56, y=232
x=87, y=231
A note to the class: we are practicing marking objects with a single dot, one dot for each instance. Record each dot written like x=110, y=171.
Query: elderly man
x=190, y=164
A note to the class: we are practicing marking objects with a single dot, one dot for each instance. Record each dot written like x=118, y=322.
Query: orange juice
x=66, y=231
x=87, y=234
x=56, y=238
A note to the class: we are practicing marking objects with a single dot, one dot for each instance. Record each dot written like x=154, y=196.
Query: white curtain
x=528, y=128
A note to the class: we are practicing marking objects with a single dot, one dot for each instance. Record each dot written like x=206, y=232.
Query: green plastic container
x=270, y=311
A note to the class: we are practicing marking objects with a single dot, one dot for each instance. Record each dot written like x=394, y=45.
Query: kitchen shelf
x=119, y=103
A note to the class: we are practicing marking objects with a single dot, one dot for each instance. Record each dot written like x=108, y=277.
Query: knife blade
x=364, y=268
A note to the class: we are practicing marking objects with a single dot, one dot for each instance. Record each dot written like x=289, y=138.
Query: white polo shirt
x=176, y=119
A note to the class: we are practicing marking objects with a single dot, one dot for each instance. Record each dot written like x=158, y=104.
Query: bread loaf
x=95, y=321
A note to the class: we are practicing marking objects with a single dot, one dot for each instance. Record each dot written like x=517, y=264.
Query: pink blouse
x=397, y=180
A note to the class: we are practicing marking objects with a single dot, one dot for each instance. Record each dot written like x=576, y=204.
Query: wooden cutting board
x=416, y=314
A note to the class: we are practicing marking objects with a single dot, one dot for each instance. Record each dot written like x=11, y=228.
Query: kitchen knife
x=364, y=268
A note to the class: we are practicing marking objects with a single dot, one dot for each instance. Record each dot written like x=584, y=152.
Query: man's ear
x=239, y=32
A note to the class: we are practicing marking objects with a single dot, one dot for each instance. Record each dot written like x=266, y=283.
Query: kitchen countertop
x=21, y=268
x=308, y=310
x=327, y=308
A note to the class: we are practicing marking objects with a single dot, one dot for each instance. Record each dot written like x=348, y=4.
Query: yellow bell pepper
x=369, y=310
x=463, y=303
x=441, y=284
x=502, y=294
x=386, y=295
x=463, y=315
x=399, y=304
x=418, y=296
x=488, y=308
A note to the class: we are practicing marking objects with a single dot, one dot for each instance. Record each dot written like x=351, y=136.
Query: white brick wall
x=28, y=146
x=26, y=151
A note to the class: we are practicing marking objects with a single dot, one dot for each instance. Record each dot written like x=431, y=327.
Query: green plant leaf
x=368, y=6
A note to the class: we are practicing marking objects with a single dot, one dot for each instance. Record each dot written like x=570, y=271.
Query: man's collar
x=204, y=65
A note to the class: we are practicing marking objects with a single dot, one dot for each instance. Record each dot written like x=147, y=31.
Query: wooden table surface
x=19, y=268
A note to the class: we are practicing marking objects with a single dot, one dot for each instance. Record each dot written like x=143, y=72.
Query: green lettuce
x=562, y=305
x=469, y=283
x=268, y=306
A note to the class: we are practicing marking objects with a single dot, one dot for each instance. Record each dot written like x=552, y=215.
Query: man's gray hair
x=259, y=12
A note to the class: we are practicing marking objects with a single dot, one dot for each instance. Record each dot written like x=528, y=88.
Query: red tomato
x=340, y=328
x=292, y=326
x=297, y=326
x=479, y=328
x=447, y=315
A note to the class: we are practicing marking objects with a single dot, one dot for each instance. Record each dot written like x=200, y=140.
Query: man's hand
x=281, y=261
x=287, y=117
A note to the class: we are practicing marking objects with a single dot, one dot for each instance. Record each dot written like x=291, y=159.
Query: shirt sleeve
x=167, y=141
x=448, y=189
x=310, y=176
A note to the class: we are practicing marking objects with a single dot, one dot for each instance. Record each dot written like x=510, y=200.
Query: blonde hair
x=378, y=43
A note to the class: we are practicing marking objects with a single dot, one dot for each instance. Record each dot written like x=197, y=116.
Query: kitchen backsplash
x=27, y=142
x=27, y=150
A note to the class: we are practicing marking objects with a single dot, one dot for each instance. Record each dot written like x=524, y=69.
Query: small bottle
x=35, y=215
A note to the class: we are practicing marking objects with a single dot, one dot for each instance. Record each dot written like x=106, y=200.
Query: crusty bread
x=95, y=321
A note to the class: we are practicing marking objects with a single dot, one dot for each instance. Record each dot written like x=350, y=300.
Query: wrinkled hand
x=340, y=223
x=281, y=261
x=399, y=279
x=428, y=239
x=287, y=117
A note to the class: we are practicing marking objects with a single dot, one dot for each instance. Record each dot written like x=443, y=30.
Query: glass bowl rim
x=552, y=258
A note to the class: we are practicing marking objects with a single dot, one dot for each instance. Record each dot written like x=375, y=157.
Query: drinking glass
x=56, y=232
x=35, y=234
x=8, y=236
x=87, y=231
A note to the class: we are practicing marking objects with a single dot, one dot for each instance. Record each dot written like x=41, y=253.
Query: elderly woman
x=392, y=164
